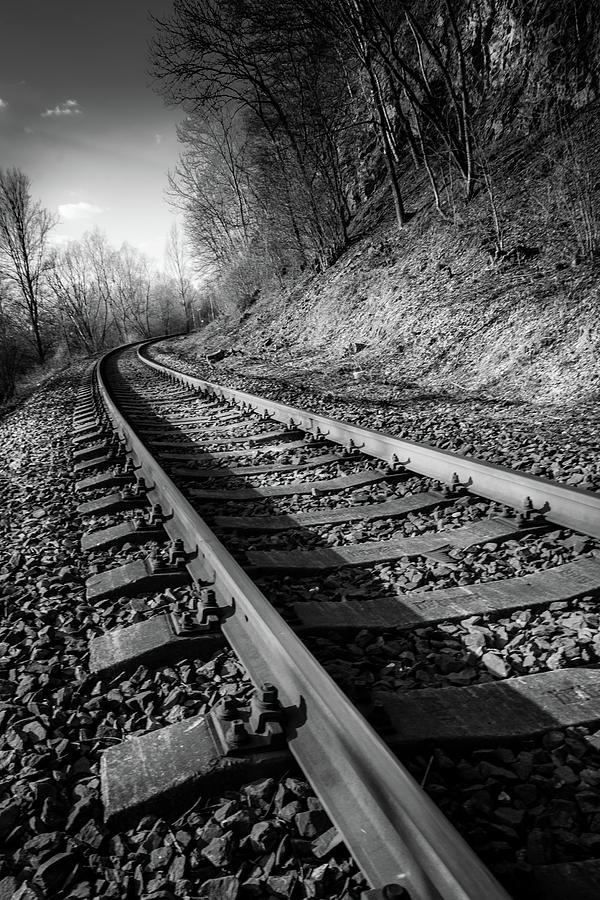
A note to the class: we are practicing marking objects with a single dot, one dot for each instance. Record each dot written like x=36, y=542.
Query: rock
x=526, y=793
x=226, y=810
x=510, y=816
x=563, y=814
x=475, y=642
x=216, y=356
x=57, y=872
x=282, y=885
x=42, y=842
x=576, y=478
x=35, y=731
x=80, y=891
x=160, y=858
x=79, y=815
x=290, y=810
x=8, y=887
x=298, y=787
x=67, y=574
x=226, y=888
x=260, y=792
x=495, y=664
x=264, y=837
x=565, y=775
x=178, y=868
x=317, y=879
x=488, y=770
x=160, y=894
x=553, y=739
x=8, y=817
x=327, y=842
x=210, y=830
x=311, y=824
x=92, y=835
x=220, y=850
x=240, y=822
x=29, y=892
x=183, y=837
x=117, y=847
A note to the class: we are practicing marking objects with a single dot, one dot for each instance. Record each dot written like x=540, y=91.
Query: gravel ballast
x=518, y=806
x=264, y=840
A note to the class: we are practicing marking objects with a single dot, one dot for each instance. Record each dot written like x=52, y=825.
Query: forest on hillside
x=303, y=123
x=298, y=111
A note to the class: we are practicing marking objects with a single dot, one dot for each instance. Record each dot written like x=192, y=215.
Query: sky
x=79, y=117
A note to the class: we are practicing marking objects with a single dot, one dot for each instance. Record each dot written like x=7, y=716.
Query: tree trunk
x=387, y=146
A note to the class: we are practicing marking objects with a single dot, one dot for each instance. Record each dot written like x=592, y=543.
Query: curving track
x=274, y=507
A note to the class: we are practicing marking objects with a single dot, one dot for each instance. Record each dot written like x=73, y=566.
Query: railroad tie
x=329, y=485
x=364, y=513
x=268, y=468
x=495, y=711
x=565, y=582
x=372, y=552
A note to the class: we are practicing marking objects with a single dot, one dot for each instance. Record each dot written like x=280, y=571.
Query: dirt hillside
x=432, y=305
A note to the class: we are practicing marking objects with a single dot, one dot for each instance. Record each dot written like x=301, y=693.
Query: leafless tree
x=211, y=186
x=131, y=293
x=103, y=296
x=24, y=229
x=11, y=346
x=259, y=68
x=82, y=296
x=178, y=266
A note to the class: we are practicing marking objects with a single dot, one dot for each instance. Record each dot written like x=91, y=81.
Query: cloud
x=79, y=210
x=157, y=138
x=68, y=108
x=3, y=103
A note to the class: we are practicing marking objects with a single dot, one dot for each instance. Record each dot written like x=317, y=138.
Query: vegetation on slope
x=420, y=178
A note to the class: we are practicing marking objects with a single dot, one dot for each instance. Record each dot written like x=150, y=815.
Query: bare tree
x=433, y=77
x=263, y=70
x=352, y=15
x=168, y=315
x=177, y=263
x=13, y=348
x=131, y=293
x=82, y=302
x=24, y=229
x=103, y=296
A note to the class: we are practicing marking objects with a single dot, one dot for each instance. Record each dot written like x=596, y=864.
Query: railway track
x=314, y=547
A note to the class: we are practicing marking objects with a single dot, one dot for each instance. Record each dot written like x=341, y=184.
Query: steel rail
x=566, y=506
x=394, y=831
